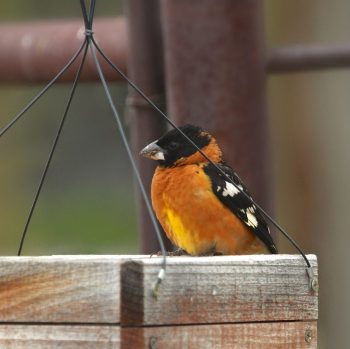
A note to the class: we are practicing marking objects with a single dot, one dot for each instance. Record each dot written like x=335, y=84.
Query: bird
x=200, y=210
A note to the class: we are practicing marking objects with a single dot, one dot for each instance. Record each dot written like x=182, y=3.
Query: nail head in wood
x=308, y=336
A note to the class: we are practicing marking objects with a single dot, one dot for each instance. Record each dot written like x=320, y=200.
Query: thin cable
x=92, y=12
x=143, y=95
x=84, y=12
x=88, y=18
x=70, y=98
x=42, y=92
x=134, y=166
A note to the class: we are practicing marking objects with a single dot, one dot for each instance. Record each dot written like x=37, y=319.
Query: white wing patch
x=252, y=221
x=230, y=190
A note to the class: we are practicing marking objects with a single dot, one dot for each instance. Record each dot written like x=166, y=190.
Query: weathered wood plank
x=226, y=289
x=273, y=335
x=59, y=336
x=53, y=289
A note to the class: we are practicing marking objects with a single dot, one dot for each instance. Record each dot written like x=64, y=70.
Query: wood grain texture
x=228, y=289
x=273, y=335
x=82, y=289
x=57, y=336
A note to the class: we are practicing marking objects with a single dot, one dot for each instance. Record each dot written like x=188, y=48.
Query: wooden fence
x=260, y=301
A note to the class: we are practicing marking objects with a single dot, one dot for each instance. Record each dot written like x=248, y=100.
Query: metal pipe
x=145, y=66
x=307, y=57
x=34, y=52
x=215, y=69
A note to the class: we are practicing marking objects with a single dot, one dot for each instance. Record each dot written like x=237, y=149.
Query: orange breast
x=193, y=218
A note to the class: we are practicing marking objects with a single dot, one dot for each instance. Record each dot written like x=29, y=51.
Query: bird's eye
x=173, y=145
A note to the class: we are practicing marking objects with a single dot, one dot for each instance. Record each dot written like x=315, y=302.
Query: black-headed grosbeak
x=200, y=211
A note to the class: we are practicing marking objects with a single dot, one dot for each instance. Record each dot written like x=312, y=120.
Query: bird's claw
x=176, y=253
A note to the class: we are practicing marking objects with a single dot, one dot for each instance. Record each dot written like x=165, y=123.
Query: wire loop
x=88, y=32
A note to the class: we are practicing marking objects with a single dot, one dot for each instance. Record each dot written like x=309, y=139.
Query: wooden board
x=59, y=336
x=271, y=335
x=259, y=301
x=227, y=289
x=83, y=289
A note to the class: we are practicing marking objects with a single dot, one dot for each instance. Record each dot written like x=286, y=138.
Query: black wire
x=129, y=152
x=84, y=12
x=92, y=12
x=88, y=18
x=143, y=95
x=70, y=98
x=42, y=92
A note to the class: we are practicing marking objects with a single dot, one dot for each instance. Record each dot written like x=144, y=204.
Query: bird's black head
x=173, y=146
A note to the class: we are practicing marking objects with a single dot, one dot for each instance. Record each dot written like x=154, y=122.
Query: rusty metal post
x=215, y=69
x=145, y=67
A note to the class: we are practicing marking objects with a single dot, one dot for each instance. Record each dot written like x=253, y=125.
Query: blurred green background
x=87, y=204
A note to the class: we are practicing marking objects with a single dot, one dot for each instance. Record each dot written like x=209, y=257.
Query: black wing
x=231, y=196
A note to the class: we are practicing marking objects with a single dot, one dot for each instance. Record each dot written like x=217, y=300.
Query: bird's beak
x=153, y=151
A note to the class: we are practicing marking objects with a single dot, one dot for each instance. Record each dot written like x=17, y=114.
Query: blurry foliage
x=87, y=203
